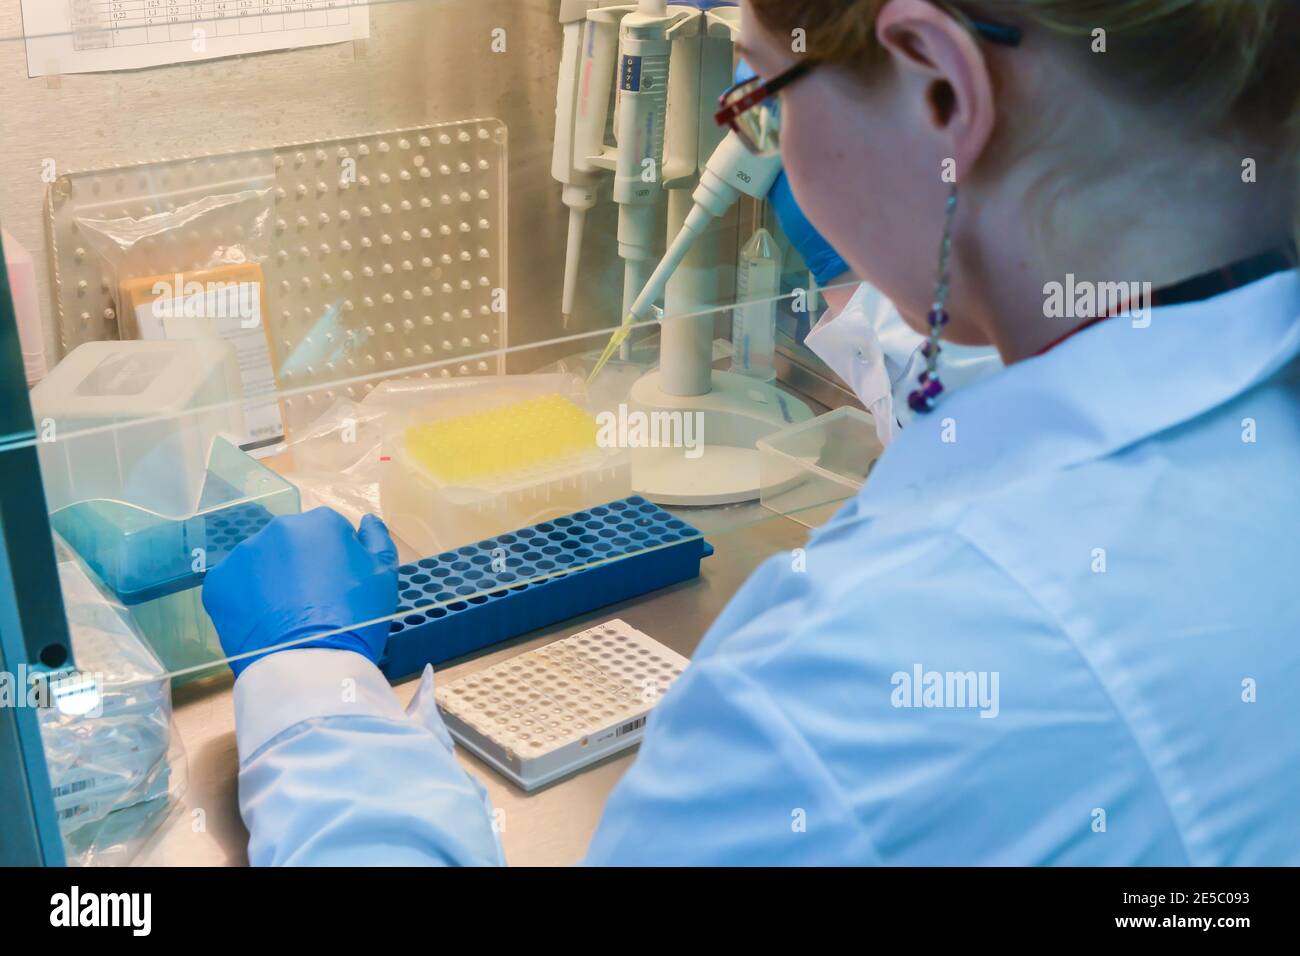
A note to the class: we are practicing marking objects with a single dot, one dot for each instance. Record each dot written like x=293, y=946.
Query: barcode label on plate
x=630, y=726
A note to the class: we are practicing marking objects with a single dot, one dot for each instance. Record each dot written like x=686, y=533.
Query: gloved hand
x=818, y=254
x=303, y=575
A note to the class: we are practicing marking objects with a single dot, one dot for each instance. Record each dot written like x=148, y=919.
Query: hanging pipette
x=586, y=81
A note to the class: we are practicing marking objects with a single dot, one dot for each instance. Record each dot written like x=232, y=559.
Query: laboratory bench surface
x=550, y=827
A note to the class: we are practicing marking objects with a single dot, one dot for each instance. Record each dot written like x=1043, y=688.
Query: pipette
x=645, y=50
x=587, y=67
x=732, y=171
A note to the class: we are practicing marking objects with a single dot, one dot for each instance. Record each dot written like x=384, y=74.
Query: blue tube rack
x=461, y=601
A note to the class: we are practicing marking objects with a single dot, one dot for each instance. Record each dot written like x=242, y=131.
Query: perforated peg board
x=407, y=249
x=549, y=712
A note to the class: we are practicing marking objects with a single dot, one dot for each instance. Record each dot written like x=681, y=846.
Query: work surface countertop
x=550, y=827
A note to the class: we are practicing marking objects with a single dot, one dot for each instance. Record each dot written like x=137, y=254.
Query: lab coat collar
x=1103, y=390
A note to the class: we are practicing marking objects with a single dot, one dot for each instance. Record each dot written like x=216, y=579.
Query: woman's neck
x=1101, y=242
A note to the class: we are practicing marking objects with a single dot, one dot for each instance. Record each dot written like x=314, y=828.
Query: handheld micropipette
x=732, y=171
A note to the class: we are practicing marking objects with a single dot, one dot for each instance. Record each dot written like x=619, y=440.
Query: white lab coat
x=1110, y=529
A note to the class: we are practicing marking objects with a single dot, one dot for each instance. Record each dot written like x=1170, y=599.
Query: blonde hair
x=1228, y=66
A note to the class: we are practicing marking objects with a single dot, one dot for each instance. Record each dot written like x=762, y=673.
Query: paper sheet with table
x=92, y=36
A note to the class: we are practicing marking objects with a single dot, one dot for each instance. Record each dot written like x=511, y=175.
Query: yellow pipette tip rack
x=487, y=445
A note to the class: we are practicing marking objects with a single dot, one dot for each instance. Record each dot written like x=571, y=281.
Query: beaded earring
x=929, y=388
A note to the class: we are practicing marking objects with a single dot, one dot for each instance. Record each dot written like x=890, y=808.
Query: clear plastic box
x=133, y=421
x=807, y=470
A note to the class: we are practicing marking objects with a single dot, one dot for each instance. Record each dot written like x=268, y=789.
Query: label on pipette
x=630, y=74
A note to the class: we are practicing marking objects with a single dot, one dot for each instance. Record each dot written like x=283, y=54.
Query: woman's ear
x=943, y=66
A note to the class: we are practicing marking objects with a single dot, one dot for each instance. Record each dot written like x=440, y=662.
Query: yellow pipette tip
x=615, y=340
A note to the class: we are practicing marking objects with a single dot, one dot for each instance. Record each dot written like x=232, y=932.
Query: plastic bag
x=196, y=271
x=335, y=460
x=116, y=766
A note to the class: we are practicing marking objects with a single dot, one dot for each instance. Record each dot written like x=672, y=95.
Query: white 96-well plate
x=549, y=712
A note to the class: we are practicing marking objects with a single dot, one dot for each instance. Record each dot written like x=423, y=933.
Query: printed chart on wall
x=92, y=36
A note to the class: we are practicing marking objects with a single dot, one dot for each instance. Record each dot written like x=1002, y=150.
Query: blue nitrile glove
x=818, y=254
x=824, y=262
x=303, y=575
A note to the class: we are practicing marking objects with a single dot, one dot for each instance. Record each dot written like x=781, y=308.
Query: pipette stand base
x=723, y=467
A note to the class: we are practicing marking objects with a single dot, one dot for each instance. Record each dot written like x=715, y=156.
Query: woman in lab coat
x=1059, y=623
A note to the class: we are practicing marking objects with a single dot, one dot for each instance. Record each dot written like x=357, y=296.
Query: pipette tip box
x=478, y=595
x=155, y=563
x=158, y=559
x=549, y=712
x=142, y=555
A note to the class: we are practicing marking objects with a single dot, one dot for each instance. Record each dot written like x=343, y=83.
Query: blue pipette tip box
x=141, y=555
x=157, y=559
x=481, y=594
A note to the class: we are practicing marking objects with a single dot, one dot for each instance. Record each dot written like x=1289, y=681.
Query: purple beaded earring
x=929, y=388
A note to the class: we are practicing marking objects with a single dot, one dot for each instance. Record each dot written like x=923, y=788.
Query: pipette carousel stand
x=736, y=410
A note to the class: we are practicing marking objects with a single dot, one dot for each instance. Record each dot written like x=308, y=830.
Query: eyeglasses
x=751, y=108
